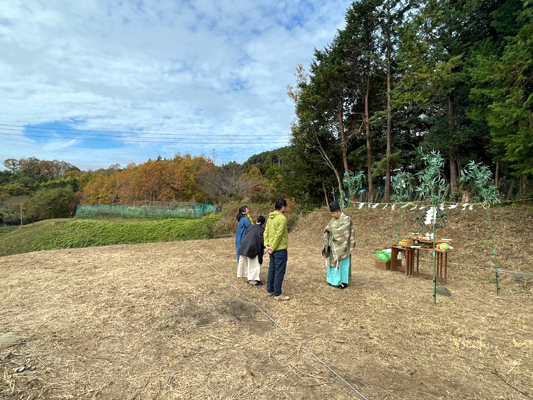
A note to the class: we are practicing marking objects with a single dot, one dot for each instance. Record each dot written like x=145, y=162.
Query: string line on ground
x=279, y=326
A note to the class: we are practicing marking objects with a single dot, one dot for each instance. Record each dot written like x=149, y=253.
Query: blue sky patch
x=57, y=132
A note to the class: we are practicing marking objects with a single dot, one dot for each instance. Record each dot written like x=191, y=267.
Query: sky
x=103, y=82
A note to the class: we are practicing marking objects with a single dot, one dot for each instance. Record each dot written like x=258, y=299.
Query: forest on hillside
x=454, y=76
x=34, y=189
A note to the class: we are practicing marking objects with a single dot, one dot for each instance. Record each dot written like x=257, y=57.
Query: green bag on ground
x=383, y=255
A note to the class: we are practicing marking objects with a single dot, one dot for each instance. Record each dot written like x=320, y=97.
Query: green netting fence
x=144, y=211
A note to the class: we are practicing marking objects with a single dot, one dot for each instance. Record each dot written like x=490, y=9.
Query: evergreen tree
x=364, y=56
x=504, y=87
x=430, y=66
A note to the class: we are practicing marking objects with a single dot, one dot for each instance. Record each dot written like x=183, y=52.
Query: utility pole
x=214, y=155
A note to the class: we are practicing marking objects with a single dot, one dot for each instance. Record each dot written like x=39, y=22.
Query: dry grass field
x=156, y=321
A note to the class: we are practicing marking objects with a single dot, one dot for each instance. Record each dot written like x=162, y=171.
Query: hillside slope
x=377, y=229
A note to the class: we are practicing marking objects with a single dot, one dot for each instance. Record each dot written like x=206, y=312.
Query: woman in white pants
x=251, y=252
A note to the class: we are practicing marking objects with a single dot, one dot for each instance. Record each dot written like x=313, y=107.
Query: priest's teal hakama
x=338, y=246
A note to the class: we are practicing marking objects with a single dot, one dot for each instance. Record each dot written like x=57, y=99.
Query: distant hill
x=278, y=156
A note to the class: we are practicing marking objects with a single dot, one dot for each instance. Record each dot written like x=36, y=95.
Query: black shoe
x=343, y=286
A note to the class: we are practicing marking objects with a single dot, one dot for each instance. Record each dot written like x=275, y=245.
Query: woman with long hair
x=245, y=221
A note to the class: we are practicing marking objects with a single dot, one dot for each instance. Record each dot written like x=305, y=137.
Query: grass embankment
x=71, y=233
x=61, y=234
x=4, y=230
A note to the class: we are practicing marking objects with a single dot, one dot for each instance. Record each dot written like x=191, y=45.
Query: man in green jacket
x=276, y=242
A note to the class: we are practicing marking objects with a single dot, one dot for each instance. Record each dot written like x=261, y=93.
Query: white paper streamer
x=361, y=205
x=431, y=215
x=421, y=208
x=471, y=207
x=414, y=208
x=393, y=207
x=453, y=206
x=405, y=205
x=464, y=206
x=442, y=207
x=375, y=205
x=386, y=205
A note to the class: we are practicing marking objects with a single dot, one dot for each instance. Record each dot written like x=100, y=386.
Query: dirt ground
x=156, y=321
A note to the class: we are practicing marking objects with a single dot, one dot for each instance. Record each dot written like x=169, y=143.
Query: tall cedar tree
x=504, y=89
x=364, y=55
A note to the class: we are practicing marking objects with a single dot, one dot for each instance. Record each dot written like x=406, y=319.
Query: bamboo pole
x=399, y=225
x=494, y=252
x=434, y=220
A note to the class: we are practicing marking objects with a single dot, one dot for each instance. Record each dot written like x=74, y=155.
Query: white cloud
x=200, y=68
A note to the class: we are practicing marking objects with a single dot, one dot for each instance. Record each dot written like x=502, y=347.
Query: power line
x=81, y=131
x=190, y=139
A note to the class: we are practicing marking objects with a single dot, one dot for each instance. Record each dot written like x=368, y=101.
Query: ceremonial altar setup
x=430, y=201
x=411, y=250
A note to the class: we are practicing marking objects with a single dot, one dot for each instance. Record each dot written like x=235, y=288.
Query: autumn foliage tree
x=155, y=180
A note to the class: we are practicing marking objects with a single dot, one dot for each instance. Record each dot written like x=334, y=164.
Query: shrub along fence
x=145, y=211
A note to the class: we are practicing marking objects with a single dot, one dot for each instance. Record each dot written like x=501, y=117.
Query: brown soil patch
x=156, y=321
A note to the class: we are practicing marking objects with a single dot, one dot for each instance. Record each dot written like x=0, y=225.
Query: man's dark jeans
x=276, y=271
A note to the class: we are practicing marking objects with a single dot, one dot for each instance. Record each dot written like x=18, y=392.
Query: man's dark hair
x=280, y=203
x=261, y=220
